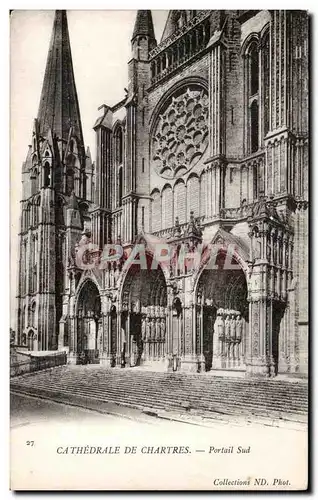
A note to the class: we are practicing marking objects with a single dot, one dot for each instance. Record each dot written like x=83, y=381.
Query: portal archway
x=144, y=315
x=222, y=315
x=88, y=314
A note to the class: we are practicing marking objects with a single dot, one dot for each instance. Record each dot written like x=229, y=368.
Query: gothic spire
x=144, y=24
x=59, y=109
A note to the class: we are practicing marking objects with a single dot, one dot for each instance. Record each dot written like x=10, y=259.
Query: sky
x=100, y=43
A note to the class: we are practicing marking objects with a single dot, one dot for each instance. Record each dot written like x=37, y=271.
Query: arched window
x=194, y=42
x=34, y=180
x=257, y=91
x=119, y=146
x=32, y=313
x=254, y=126
x=69, y=181
x=254, y=70
x=46, y=174
x=120, y=186
x=28, y=216
x=163, y=62
x=266, y=81
x=35, y=214
x=153, y=69
x=252, y=94
x=255, y=182
x=59, y=213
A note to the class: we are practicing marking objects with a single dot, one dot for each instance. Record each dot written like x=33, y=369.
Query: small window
x=143, y=165
x=266, y=83
x=47, y=174
x=254, y=70
x=255, y=183
x=254, y=126
x=69, y=181
x=119, y=146
x=120, y=186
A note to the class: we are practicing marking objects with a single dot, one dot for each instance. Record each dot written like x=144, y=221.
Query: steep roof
x=59, y=109
x=144, y=24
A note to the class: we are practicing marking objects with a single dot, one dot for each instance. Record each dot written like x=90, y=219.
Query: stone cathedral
x=207, y=148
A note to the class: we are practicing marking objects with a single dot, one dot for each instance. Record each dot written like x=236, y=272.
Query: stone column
x=168, y=342
x=105, y=355
x=201, y=355
x=189, y=361
x=72, y=355
x=259, y=361
x=61, y=334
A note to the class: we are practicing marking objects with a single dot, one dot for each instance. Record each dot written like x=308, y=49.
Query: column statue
x=227, y=325
x=158, y=325
x=232, y=337
x=238, y=328
x=148, y=329
x=238, y=331
x=143, y=329
x=163, y=329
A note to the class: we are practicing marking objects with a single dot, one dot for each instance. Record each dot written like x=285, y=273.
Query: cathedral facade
x=206, y=151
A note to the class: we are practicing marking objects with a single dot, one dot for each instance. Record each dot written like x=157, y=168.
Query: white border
x=4, y=185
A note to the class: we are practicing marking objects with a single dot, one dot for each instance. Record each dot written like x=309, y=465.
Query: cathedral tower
x=53, y=177
x=136, y=205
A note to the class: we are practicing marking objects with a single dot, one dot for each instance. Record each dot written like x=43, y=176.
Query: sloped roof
x=59, y=109
x=144, y=24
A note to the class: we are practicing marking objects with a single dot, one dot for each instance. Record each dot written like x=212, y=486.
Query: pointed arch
x=167, y=206
x=180, y=201
x=193, y=195
x=155, y=210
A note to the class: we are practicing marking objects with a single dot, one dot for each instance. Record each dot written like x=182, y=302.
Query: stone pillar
x=201, y=358
x=258, y=358
x=189, y=361
x=61, y=334
x=105, y=355
x=72, y=355
x=168, y=343
x=219, y=347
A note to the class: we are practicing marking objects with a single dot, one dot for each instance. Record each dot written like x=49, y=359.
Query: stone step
x=273, y=394
x=272, y=389
x=137, y=402
x=162, y=391
x=242, y=398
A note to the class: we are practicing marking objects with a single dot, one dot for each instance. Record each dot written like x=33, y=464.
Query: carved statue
x=163, y=328
x=220, y=326
x=227, y=325
x=148, y=329
x=153, y=329
x=158, y=329
x=238, y=327
x=232, y=327
x=143, y=329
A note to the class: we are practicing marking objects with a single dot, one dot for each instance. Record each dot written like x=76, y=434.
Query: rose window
x=181, y=134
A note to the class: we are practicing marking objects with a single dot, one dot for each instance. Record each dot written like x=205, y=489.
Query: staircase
x=207, y=396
